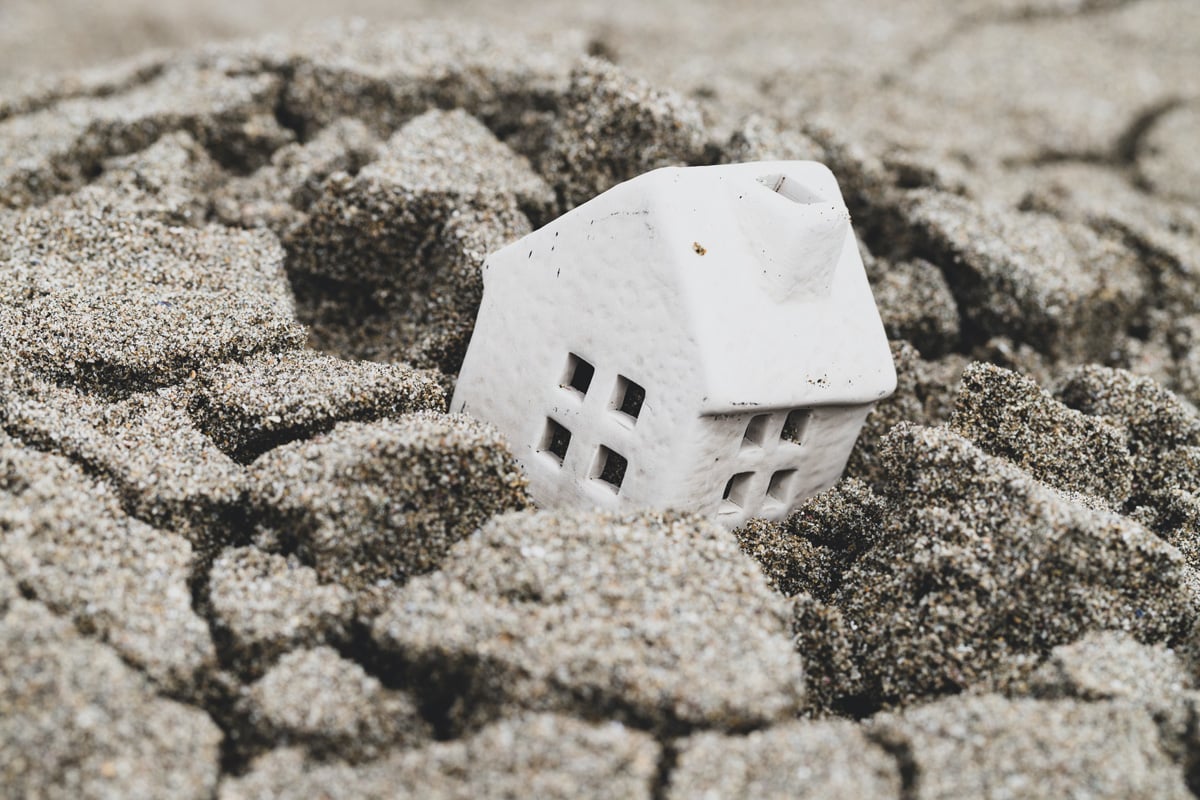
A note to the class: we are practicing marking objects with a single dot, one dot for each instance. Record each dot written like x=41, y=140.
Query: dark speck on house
x=699, y=248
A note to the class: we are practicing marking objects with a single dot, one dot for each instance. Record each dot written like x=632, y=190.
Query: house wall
x=586, y=285
x=800, y=470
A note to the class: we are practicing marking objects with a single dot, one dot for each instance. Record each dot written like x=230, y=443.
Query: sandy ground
x=245, y=552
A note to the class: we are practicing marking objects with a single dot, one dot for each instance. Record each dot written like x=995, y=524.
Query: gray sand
x=75, y=721
x=244, y=551
x=916, y=305
x=827, y=760
x=54, y=149
x=1009, y=416
x=264, y=605
x=990, y=746
x=613, y=129
x=68, y=544
x=133, y=303
x=925, y=394
x=993, y=565
x=537, y=755
x=409, y=288
x=251, y=407
x=378, y=502
x=277, y=195
x=166, y=471
x=582, y=611
x=1113, y=666
x=330, y=706
x=170, y=181
x=1168, y=165
x=1054, y=285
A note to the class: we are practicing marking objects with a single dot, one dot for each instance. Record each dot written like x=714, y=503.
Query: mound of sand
x=245, y=551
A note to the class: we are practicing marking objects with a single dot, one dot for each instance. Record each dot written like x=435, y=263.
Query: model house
x=699, y=338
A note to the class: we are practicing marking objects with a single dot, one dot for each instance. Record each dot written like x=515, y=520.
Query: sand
x=245, y=552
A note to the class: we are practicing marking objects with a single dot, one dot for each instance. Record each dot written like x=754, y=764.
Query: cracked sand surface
x=238, y=562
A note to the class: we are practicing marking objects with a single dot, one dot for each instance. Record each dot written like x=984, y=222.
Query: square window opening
x=756, y=431
x=578, y=374
x=628, y=397
x=795, y=430
x=609, y=468
x=555, y=441
x=737, y=490
x=780, y=489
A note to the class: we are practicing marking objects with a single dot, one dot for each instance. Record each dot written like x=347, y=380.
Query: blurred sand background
x=986, y=87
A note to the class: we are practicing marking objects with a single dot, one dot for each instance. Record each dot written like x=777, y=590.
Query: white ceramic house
x=701, y=338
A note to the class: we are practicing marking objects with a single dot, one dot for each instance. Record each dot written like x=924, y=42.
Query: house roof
x=777, y=296
x=760, y=268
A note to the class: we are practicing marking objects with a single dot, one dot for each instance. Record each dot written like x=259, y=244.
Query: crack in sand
x=1021, y=16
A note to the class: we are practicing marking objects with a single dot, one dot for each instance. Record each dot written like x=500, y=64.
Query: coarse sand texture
x=938, y=448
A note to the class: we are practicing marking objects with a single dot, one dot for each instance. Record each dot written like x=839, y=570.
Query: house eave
x=804, y=400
